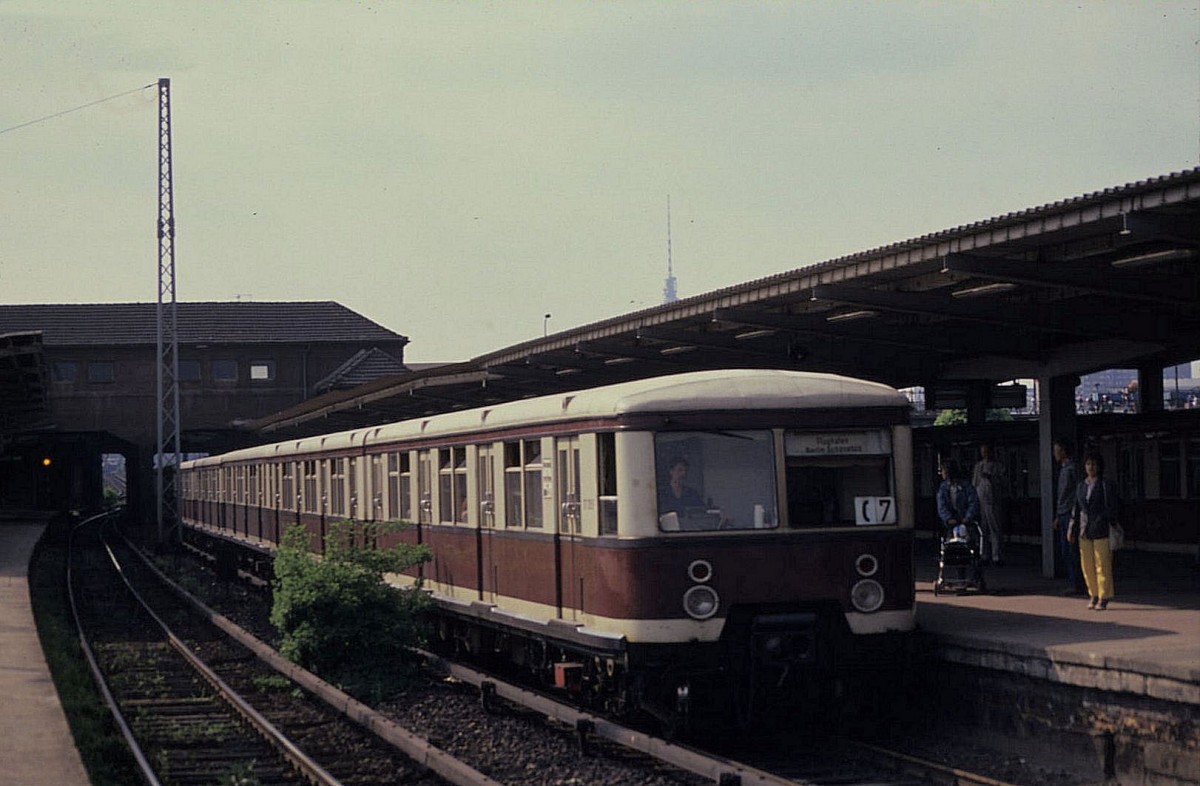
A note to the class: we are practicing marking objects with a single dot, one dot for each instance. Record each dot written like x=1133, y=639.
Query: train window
x=606, y=482
x=452, y=485
x=827, y=471
x=289, y=486
x=310, y=487
x=337, y=487
x=1193, y=468
x=709, y=480
x=378, y=511
x=352, y=490
x=252, y=485
x=406, y=486
x=394, y=509
x=1170, y=470
x=485, y=488
x=523, y=483
x=1131, y=472
x=424, y=487
x=512, y=485
x=532, y=449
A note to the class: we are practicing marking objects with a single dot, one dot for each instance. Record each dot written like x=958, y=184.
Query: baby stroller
x=959, y=566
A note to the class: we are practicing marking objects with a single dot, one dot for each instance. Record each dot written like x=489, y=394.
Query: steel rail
x=726, y=772
x=417, y=748
x=949, y=775
x=308, y=768
x=143, y=764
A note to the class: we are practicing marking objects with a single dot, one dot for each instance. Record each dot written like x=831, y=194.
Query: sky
x=455, y=171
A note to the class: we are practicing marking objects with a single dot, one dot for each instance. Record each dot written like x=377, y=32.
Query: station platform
x=36, y=746
x=1147, y=642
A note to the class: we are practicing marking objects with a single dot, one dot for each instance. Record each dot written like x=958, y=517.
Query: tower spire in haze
x=669, y=293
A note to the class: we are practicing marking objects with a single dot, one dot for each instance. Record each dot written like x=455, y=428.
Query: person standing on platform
x=1095, y=509
x=988, y=478
x=1068, y=550
x=957, y=503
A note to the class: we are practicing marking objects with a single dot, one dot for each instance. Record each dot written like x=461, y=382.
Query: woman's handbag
x=1116, y=537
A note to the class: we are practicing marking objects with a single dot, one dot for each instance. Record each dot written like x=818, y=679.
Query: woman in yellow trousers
x=1095, y=509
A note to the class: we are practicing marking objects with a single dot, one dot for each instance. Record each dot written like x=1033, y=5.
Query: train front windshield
x=710, y=480
x=726, y=480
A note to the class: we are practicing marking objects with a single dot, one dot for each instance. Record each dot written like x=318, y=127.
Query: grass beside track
x=105, y=756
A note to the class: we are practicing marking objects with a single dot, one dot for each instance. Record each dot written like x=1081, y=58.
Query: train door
x=485, y=520
x=568, y=527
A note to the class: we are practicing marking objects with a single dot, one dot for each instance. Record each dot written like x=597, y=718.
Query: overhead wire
x=75, y=109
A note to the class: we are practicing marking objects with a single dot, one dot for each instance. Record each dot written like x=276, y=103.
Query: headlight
x=866, y=564
x=700, y=571
x=867, y=595
x=701, y=602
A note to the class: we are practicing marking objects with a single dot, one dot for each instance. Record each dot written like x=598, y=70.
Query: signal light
x=46, y=461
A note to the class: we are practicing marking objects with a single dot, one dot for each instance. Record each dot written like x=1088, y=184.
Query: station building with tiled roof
x=82, y=381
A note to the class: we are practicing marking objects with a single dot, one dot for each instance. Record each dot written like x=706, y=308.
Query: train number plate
x=874, y=510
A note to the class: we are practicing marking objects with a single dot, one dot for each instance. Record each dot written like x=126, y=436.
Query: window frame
x=267, y=365
x=221, y=363
x=96, y=366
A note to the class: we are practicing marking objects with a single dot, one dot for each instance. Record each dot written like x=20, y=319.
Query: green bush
x=958, y=417
x=336, y=615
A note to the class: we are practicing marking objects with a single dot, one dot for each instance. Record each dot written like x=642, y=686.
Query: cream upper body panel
x=741, y=389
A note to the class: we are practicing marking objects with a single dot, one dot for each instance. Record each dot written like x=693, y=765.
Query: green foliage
x=958, y=417
x=951, y=417
x=335, y=614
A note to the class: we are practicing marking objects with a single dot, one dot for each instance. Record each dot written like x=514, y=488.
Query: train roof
x=733, y=389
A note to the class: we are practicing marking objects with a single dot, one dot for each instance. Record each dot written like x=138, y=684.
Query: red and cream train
x=781, y=556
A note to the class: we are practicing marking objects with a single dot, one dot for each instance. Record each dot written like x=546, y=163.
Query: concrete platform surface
x=1146, y=642
x=36, y=747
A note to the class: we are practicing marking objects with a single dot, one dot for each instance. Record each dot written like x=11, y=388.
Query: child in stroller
x=960, y=536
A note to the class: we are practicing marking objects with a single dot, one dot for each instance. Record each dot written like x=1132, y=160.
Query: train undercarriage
x=769, y=663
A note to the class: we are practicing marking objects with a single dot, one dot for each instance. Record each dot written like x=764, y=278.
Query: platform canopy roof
x=1103, y=280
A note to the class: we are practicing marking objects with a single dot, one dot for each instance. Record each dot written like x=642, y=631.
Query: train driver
x=675, y=496
x=680, y=506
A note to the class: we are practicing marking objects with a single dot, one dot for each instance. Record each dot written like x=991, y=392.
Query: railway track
x=653, y=760
x=199, y=709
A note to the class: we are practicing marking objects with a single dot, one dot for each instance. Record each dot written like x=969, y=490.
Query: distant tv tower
x=669, y=293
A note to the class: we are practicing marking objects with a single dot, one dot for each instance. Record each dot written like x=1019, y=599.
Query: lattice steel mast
x=669, y=293
x=167, y=458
